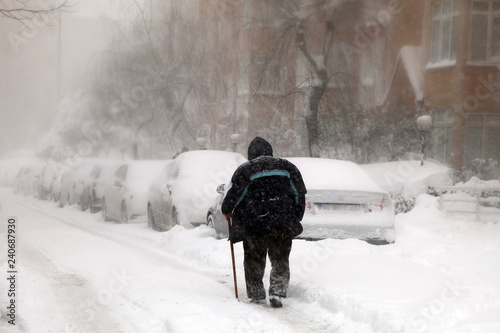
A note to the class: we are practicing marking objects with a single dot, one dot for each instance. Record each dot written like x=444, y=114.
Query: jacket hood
x=259, y=147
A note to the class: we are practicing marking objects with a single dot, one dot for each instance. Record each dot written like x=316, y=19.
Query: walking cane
x=232, y=257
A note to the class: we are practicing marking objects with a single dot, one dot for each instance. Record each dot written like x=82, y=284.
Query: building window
x=485, y=31
x=444, y=31
x=442, y=135
x=482, y=137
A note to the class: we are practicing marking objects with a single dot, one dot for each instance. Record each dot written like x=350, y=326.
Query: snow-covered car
x=341, y=202
x=21, y=181
x=125, y=194
x=73, y=181
x=55, y=185
x=65, y=187
x=42, y=184
x=185, y=189
x=93, y=190
x=26, y=179
x=9, y=169
x=35, y=179
x=46, y=180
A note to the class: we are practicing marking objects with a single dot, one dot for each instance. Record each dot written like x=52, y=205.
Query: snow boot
x=275, y=301
x=258, y=301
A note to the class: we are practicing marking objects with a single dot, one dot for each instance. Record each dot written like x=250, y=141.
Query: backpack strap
x=282, y=173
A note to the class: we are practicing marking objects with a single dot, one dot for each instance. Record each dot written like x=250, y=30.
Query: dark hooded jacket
x=267, y=195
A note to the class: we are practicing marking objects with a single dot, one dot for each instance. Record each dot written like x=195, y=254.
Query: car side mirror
x=221, y=189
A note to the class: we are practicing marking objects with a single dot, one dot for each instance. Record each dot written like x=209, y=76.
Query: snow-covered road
x=76, y=273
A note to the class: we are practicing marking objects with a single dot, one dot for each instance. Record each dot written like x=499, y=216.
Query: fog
x=343, y=79
x=120, y=118
x=43, y=60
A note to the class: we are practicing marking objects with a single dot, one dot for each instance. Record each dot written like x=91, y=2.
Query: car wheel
x=210, y=221
x=124, y=214
x=92, y=207
x=151, y=219
x=104, y=211
x=84, y=202
x=175, y=216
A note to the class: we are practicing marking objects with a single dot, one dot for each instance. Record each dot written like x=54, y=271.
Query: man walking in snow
x=266, y=202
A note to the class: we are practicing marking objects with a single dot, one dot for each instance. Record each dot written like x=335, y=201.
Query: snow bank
x=441, y=275
x=478, y=199
x=409, y=176
x=479, y=184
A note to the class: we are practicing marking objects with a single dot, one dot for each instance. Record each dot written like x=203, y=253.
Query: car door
x=166, y=193
x=117, y=192
x=156, y=200
x=220, y=222
x=164, y=206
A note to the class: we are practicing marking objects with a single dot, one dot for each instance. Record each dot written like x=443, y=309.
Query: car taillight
x=379, y=205
x=308, y=205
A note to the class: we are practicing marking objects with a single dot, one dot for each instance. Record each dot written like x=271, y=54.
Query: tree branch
x=24, y=12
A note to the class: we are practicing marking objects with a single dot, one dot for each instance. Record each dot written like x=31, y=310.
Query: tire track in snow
x=70, y=296
x=85, y=316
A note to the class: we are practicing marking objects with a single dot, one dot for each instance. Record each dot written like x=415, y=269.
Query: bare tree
x=306, y=26
x=325, y=12
x=24, y=10
x=151, y=70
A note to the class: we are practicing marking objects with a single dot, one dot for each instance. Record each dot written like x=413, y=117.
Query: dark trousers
x=256, y=248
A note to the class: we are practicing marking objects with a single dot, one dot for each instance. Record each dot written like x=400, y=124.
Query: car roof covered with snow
x=329, y=174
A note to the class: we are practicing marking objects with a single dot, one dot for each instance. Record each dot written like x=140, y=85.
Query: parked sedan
x=73, y=181
x=27, y=178
x=21, y=181
x=36, y=179
x=9, y=170
x=125, y=194
x=185, y=189
x=341, y=202
x=55, y=185
x=47, y=179
x=93, y=190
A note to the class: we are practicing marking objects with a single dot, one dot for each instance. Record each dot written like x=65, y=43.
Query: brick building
x=461, y=77
x=396, y=53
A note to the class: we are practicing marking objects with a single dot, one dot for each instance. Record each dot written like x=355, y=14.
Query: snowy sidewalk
x=441, y=275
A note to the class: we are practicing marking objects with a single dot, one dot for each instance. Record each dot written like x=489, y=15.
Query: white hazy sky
x=98, y=7
x=31, y=71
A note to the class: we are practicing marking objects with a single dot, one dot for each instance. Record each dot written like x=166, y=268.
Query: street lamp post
x=424, y=125
x=235, y=141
